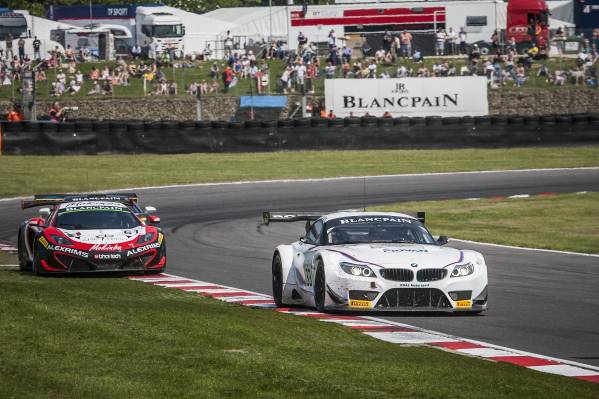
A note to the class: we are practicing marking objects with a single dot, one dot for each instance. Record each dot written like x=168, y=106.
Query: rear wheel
x=277, y=280
x=320, y=287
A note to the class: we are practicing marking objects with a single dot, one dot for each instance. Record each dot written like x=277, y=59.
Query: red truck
x=527, y=23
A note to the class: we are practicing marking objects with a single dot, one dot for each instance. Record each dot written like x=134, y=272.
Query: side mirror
x=442, y=240
x=150, y=210
x=39, y=222
x=153, y=219
x=44, y=212
x=302, y=240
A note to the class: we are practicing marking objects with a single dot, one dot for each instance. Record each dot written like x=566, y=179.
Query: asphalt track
x=540, y=302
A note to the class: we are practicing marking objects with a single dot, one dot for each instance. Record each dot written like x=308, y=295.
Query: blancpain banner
x=446, y=96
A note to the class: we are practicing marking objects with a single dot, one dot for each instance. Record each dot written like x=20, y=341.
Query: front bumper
x=449, y=294
x=108, y=262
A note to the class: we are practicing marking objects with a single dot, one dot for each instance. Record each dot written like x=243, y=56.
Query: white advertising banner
x=443, y=96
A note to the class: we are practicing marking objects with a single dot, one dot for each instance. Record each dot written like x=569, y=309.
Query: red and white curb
x=384, y=330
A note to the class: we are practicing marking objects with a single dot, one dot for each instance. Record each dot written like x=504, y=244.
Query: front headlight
x=60, y=240
x=357, y=270
x=145, y=238
x=465, y=269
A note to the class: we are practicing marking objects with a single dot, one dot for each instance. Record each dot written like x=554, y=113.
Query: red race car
x=91, y=233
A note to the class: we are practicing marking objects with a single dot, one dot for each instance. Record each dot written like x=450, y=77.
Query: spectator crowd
x=397, y=56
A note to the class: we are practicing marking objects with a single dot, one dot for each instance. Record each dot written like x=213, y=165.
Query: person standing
x=227, y=77
x=451, y=40
x=332, y=39
x=21, y=46
x=8, y=45
x=228, y=44
x=136, y=51
x=405, y=39
x=440, y=42
x=36, y=48
x=462, y=39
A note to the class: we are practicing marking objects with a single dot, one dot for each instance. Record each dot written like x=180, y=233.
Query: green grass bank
x=566, y=222
x=26, y=175
x=112, y=338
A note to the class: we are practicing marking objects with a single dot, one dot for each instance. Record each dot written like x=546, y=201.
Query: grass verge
x=7, y=258
x=566, y=222
x=109, y=337
x=24, y=175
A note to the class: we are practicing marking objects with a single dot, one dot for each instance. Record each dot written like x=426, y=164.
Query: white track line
x=554, y=251
x=325, y=179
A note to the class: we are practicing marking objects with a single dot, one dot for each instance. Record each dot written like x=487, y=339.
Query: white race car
x=372, y=261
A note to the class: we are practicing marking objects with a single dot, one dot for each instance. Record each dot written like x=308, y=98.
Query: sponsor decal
x=404, y=250
x=44, y=242
x=105, y=248
x=72, y=251
x=457, y=96
x=375, y=219
x=466, y=304
x=107, y=256
x=160, y=238
x=138, y=250
x=354, y=303
x=414, y=285
x=85, y=208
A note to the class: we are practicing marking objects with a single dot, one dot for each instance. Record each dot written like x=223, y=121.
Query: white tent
x=258, y=22
x=200, y=29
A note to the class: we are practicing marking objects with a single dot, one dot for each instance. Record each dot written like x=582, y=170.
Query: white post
x=270, y=21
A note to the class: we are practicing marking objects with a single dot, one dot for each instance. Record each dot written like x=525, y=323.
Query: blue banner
x=263, y=101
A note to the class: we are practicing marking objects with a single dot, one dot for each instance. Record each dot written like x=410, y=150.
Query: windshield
x=376, y=229
x=167, y=30
x=15, y=31
x=96, y=219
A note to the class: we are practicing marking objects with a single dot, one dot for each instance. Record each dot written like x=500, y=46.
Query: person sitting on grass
x=96, y=89
x=417, y=56
x=74, y=87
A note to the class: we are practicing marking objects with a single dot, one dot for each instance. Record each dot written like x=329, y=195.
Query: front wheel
x=24, y=263
x=320, y=287
x=277, y=281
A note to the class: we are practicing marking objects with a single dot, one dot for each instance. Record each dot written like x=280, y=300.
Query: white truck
x=146, y=23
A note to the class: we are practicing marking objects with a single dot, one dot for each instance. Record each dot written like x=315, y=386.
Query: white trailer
x=479, y=18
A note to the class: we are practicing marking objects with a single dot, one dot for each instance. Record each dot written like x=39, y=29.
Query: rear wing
x=421, y=216
x=287, y=217
x=54, y=199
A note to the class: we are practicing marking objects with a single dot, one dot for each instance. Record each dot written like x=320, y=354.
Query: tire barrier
x=170, y=137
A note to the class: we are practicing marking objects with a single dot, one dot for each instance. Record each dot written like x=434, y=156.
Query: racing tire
x=35, y=267
x=277, y=281
x=24, y=264
x=320, y=287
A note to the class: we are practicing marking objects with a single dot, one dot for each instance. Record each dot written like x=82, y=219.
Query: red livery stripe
x=524, y=361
